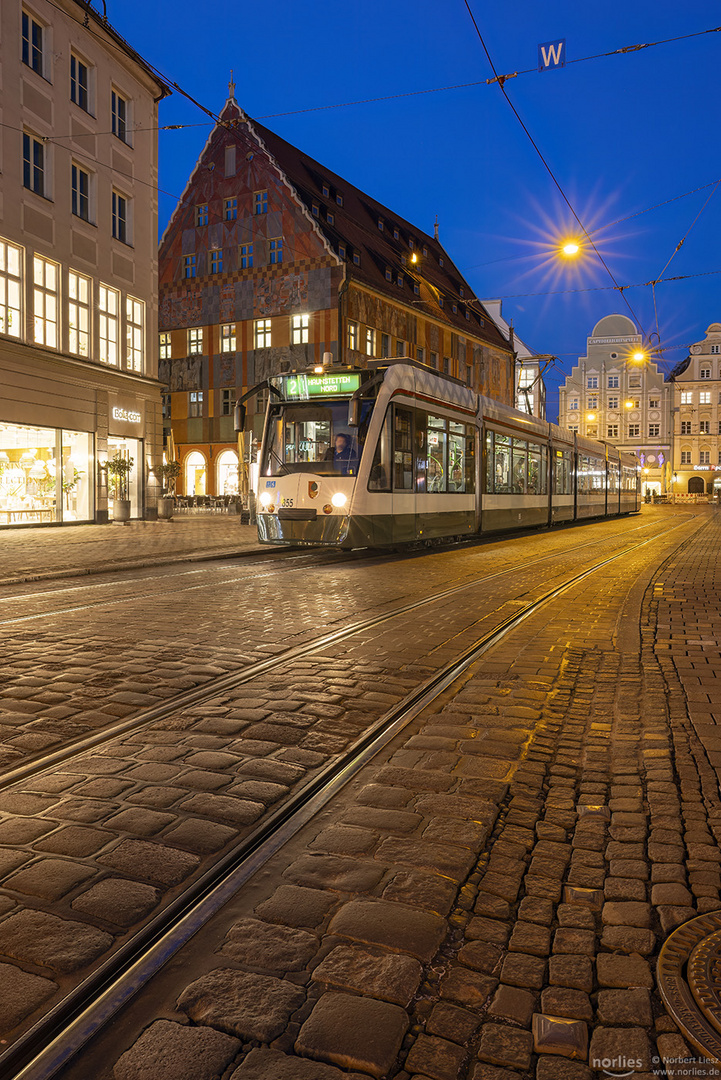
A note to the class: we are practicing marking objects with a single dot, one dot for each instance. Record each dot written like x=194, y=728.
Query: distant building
x=530, y=389
x=78, y=268
x=611, y=397
x=271, y=261
x=696, y=387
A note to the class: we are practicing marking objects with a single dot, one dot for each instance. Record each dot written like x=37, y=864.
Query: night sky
x=621, y=133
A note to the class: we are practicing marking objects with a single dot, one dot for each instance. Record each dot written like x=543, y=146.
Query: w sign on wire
x=552, y=54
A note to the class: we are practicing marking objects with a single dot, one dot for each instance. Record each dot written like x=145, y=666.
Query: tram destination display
x=314, y=386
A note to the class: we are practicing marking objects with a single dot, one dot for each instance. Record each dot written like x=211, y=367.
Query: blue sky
x=622, y=134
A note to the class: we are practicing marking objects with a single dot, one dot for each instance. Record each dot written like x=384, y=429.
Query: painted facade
x=271, y=263
x=696, y=387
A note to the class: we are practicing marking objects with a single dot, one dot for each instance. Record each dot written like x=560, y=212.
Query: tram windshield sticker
x=312, y=386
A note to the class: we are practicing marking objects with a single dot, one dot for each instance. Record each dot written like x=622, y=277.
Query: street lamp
x=628, y=404
x=570, y=248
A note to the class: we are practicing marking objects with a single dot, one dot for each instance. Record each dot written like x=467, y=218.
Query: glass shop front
x=46, y=475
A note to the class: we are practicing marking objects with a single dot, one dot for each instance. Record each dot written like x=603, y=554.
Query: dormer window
x=468, y=315
x=455, y=309
x=425, y=251
x=389, y=274
x=339, y=199
x=399, y=280
x=356, y=258
x=440, y=261
x=411, y=243
x=326, y=191
x=315, y=208
x=396, y=234
x=440, y=301
x=341, y=250
x=416, y=288
x=380, y=224
x=462, y=291
x=330, y=218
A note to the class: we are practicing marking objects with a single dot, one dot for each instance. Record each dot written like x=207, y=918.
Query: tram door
x=404, y=499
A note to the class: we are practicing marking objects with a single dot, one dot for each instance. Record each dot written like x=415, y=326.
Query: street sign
x=552, y=54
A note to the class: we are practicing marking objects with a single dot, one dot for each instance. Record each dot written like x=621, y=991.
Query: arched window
x=227, y=473
x=195, y=473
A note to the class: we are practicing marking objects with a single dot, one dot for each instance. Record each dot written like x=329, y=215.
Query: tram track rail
x=43, y=1050
x=38, y=764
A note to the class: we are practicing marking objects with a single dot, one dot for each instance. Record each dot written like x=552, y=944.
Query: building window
x=421, y=354
x=704, y=427
x=32, y=53
x=226, y=402
x=227, y=337
x=704, y=457
x=79, y=83
x=189, y=266
x=715, y=349
x=78, y=314
x=230, y=209
x=120, y=219
x=592, y=382
x=341, y=251
x=389, y=274
x=685, y=427
x=299, y=330
x=134, y=333
x=385, y=346
x=592, y=403
x=326, y=191
x=164, y=347
x=573, y=427
x=704, y=397
x=613, y=382
x=396, y=234
x=719, y=427
x=352, y=334
x=654, y=403
x=339, y=199
x=216, y=261
x=592, y=431
x=315, y=209
x=46, y=297
x=260, y=202
x=400, y=348
x=33, y=164
x=11, y=266
x=685, y=457
x=356, y=258
x=262, y=333
x=461, y=290
x=370, y=341
x=455, y=309
x=573, y=403
x=446, y=365
x=654, y=430
x=246, y=256
x=201, y=215
x=424, y=251
x=705, y=373
x=380, y=224
x=165, y=406
x=686, y=397
x=399, y=280
x=195, y=406
x=119, y=109
x=634, y=381
x=634, y=430
x=276, y=250
x=417, y=290
x=440, y=262
x=195, y=341
x=468, y=315
x=434, y=360
x=613, y=403
x=330, y=218
x=80, y=192
x=612, y=431
x=108, y=324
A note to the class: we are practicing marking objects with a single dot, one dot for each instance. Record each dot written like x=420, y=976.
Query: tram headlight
x=339, y=499
x=265, y=498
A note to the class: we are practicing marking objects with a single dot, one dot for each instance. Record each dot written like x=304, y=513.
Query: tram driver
x=344, y=460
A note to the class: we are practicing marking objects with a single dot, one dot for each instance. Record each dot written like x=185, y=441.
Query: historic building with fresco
x=271, y=262
x=696, y=384
x=78, y=268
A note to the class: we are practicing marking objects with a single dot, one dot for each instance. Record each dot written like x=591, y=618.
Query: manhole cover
x=689, y=978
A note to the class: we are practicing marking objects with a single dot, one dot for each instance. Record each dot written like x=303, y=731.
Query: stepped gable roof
x=355, y=223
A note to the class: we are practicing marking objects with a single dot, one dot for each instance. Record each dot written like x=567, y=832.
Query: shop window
x=108, y=324
x=227, y=473
x=195, y=474
x=79, y=298
x=135, y=334
x=227, y=337
x=11, y=284
x=46, y=297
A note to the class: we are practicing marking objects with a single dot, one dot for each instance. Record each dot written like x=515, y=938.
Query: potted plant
x=119, y=469
x=168, y=472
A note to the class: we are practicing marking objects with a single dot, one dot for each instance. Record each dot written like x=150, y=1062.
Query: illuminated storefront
x=46, y=475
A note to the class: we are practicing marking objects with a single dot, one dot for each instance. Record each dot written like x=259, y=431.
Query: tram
x=398, y=453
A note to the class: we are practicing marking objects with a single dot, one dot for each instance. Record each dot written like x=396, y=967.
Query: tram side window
x=537, y=469
x=437, y=461
x=562, y=473
x=520, y=463
x=501, y=464
x=459, y=473
x=381, y=471
x=613, y=476
x=403, y=450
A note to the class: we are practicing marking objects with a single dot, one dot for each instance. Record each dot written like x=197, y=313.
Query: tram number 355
x=285, y=501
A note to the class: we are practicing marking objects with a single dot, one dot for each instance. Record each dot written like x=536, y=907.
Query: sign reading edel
x=552, y=54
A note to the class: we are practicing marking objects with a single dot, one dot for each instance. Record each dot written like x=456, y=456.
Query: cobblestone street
x=485, y=900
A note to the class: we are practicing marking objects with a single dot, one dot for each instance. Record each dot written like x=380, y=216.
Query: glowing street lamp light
x=638, y=355
x=570, y=249
x=629, y=404
x=590, y=416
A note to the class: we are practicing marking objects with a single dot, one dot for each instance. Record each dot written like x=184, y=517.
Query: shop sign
x=126, y=415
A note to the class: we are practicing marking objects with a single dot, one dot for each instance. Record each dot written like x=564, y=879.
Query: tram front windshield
x=314, y=437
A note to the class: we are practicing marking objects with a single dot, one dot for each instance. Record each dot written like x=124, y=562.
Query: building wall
x=62, y=383
x=611, y=397
x=697, y=418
